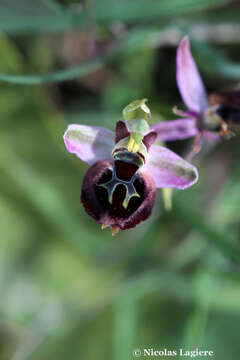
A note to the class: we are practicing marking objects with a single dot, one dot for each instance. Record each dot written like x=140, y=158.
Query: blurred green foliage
x=68, y=289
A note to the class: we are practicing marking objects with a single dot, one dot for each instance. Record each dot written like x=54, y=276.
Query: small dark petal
x=121, y=131
x=95, y=198
x=149, y=139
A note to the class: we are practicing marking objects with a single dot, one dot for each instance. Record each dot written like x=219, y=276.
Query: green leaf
x=41, y=15
x=26, y=15
x=27, y=8
x=10, y=58
x=109, y=10
x=216, y=62
x=62, y=75
x=221, y=241
x=79, y=71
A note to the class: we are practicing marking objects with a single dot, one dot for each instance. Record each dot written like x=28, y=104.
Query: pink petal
x=189, y=80
x=175, y=129
x=89, y=143
x=209, y=135
x=170, y=170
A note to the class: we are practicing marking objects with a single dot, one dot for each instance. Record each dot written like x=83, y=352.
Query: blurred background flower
x=68, y=290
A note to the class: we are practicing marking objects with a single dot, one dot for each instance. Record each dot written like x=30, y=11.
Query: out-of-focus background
x=68, y=290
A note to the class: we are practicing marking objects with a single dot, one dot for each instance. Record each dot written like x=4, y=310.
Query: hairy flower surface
x=119, y=188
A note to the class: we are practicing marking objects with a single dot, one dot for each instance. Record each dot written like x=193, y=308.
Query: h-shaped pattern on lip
x=112, y=184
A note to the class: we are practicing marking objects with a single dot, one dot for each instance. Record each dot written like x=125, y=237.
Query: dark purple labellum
x=231, y=98
x=118, y=195
x=229, y=113
x=227, y=108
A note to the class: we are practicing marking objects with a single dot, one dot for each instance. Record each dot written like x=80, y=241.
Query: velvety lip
x=96, y=204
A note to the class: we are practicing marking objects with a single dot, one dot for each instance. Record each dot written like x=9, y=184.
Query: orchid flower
x=200, y=117
x=195, y=98
x=119, y=188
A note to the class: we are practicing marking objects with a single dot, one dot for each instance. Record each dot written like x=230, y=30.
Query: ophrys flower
x=201, y=116
x=119, y=188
